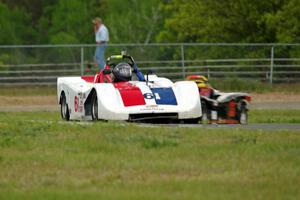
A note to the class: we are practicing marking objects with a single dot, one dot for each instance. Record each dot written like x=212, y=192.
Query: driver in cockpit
x=123, y=72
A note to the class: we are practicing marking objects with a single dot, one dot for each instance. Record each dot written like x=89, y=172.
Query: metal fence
x=42, y=64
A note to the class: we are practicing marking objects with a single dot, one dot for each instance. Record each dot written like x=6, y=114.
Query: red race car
x=221, y=107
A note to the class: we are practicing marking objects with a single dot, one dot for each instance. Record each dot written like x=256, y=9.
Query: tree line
x=139, y=21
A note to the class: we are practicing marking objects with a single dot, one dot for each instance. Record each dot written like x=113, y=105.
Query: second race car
x=221, y=107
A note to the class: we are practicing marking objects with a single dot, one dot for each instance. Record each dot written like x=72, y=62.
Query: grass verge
x=274, y=116
x=42, y=157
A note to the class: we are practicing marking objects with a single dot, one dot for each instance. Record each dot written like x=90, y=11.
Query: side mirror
x=106, y=71
x=151, y=71
x=147, y=75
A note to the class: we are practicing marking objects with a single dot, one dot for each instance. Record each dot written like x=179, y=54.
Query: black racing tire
x=205, y=116
x=64, y=109
x=94, y=106
x=243, y=114
x=191, y=121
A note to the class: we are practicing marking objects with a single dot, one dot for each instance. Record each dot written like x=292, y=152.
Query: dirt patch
x=274, y=100
x=28, y=103
x=27, y=100
x=275, y=97
x=52, y=100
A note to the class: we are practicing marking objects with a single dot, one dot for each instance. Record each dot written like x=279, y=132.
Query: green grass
x=42, y=157
x=274, y=116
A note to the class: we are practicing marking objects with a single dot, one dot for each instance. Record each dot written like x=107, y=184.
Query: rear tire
x=205, y=116
x=94, y=105
x=64, y=109
x=243, y=114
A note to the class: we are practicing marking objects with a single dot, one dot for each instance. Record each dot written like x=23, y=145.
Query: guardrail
x=42, y=64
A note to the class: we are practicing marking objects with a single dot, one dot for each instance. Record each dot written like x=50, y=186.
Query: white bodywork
x=228, y=96
x=110, y=103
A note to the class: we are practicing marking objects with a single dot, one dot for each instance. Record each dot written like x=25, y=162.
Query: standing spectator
x=102, y=38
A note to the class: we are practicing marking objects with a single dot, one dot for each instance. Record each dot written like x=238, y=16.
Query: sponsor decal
x=152, y=108
x=81, y=95
x=76, y=104
x=79, y=102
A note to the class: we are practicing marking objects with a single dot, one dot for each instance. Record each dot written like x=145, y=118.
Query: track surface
x=17, y=105
x=275, y=105
x=55, y=107
x=275, y=127
x=232, y=126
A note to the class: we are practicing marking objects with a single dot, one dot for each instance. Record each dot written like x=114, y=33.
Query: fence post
x=272, y=65
x=82, y=60
x=182, y=61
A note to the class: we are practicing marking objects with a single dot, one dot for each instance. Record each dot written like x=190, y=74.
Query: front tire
x=64, y=109
x=191, y=121
x=94, y=106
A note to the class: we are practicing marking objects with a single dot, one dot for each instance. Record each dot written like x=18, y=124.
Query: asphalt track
x=274, y=127
x=56, y=108
x=295, y=105
x=256, y=126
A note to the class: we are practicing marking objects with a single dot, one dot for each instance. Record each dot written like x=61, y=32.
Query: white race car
x=122, y=92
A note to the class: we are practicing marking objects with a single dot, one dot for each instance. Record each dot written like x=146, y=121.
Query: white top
x=102, y=34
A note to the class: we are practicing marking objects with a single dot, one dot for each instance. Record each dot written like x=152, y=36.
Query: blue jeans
x=99, y=56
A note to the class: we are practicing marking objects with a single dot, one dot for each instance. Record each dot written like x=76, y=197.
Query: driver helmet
x=122, y=72
x=201, y=81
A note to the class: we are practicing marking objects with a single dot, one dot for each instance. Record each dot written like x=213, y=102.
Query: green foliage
x=70, y=21
x=14, y=26
x=285, y=22
x=73, y=19
x=133, y=21
x=241, y=21
x=220, y=21
x=137, y=21
x=63, y=38
x=4, y=58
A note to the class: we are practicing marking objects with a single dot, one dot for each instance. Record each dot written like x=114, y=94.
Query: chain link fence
x=42, y=64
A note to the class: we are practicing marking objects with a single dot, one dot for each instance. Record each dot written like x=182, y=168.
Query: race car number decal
x=162, y=96
x=157, y=96
x=151, y=96
x=148, y=96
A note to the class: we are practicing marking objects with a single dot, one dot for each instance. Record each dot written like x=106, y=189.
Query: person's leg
x=101, y=58
x=97, y=56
